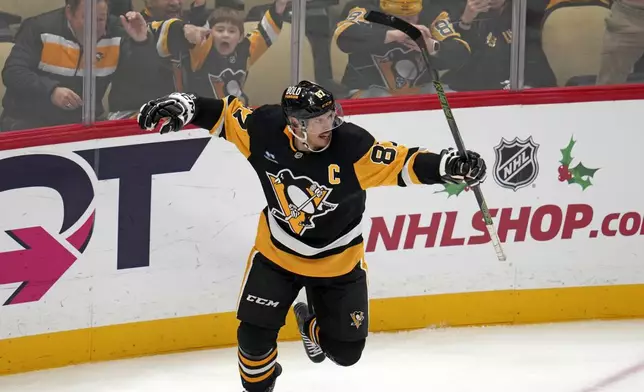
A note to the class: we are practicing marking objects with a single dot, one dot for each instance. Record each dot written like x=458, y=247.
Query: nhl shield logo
x=516, y=163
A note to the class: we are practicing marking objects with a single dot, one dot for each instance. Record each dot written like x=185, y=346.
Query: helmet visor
x=325, y=122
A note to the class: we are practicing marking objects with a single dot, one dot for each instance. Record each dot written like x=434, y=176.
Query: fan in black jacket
x=44, y=71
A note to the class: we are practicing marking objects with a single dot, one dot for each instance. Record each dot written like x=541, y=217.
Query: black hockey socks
x=257, y=357
x=258, y=372
x=309, y=331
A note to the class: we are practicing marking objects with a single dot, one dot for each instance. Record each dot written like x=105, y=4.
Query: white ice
x=568, y=357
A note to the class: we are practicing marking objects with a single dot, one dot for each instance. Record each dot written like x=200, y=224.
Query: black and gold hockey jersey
x=393, y=66
x=315, y=201
x=210, y=74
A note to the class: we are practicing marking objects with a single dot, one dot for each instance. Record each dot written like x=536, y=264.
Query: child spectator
x=219, y=57
x=130, y=90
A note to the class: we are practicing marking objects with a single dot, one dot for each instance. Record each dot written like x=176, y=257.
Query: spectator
x=623, y=41
x=219, y=57
x=385, y=62
x=571, y=35
x=486, y=25
x=164, y=75
x=44, y=71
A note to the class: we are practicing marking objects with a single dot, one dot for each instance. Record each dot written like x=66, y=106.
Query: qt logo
x=43, y=259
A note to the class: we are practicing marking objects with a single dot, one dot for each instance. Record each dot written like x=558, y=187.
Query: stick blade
x=393, y=22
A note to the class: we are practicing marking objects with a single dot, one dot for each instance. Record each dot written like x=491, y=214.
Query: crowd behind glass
x=144, y=49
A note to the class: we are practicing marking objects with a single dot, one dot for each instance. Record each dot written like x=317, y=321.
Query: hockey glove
x=455, y=168
x=176, y=110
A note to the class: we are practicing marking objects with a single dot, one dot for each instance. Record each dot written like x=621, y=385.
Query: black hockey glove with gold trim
x=455, y=168
x=173, y=111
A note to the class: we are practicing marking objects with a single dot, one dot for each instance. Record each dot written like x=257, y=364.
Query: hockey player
x=314, y=170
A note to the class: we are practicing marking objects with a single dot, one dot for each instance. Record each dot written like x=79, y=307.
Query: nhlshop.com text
x=544, y=223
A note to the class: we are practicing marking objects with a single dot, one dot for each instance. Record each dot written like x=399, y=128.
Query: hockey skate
x=313, y=350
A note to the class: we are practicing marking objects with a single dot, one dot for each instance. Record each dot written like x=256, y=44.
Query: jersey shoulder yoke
x=353, y=141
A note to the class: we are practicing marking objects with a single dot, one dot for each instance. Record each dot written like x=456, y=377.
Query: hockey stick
x=297, y=209
x=415, y=34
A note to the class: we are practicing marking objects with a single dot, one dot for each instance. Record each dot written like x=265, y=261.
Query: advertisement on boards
x=516, y=166
x=44, y=257
x=158, y=226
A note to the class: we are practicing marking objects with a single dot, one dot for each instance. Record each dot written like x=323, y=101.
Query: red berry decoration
x=467, y=189
x=564, y=173
x=582, y=175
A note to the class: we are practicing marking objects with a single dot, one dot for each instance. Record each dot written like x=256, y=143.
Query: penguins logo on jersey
x=228, y=83
x=399, y=68
x=301, y=200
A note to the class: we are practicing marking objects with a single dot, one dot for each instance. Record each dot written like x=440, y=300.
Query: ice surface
x=567, y=357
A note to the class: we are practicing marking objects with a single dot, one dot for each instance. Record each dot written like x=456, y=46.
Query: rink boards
x=136, y=245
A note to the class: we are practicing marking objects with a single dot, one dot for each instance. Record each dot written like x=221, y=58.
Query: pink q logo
x=44, y=260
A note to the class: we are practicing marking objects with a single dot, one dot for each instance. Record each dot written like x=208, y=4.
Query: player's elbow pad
x=426, y=166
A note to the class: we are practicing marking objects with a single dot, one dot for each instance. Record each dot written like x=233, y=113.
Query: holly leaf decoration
x=453, y=189
x=581, y=175
x=566, y=153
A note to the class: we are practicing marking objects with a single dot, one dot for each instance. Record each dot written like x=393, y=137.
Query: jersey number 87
x=384, y=155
